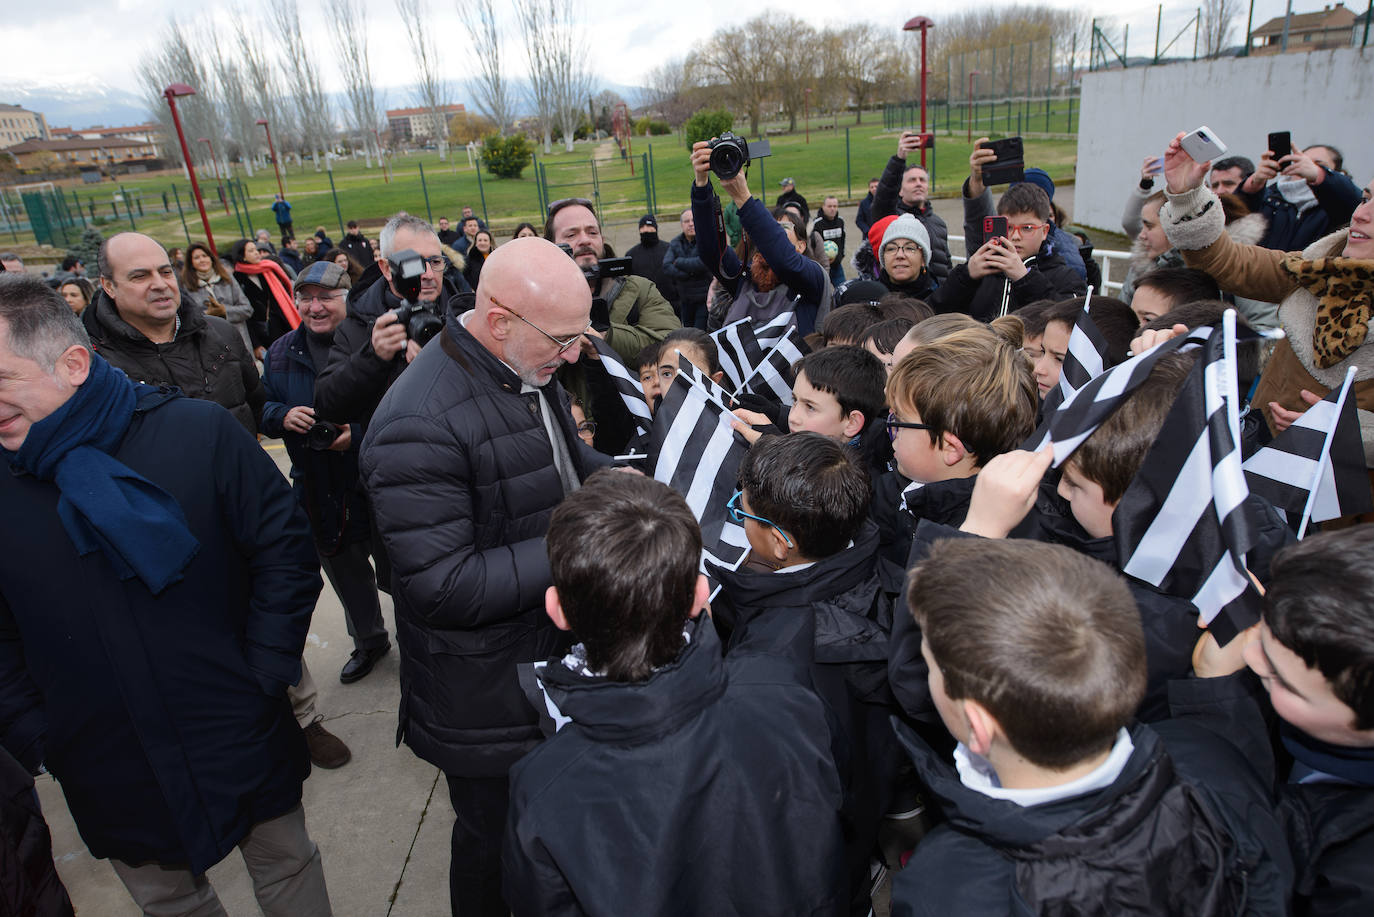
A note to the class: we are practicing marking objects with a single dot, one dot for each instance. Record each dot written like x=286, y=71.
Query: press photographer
x=770, y=272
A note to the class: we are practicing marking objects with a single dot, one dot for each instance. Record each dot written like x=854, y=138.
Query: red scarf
x=278, y=283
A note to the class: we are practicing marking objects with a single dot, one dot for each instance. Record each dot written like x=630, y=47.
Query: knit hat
x=325, y=274
x=875, y=232
x=1041, y=179
x=648, y=220
x=907, y=226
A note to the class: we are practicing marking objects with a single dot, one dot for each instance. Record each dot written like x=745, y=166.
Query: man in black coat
x=356, y=244
x=682, y=262
x=464, y=461
x=790, y=195
x=154, y=604
x=646, y=259
x=905, y=188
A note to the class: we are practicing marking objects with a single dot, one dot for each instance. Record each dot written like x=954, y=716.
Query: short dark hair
x=1034, y=315
x=848, y=323
x=692, y=337
x=1114, y=319
x=900, y=305
x=41, y=326
x=1025, y=197
x=352, y=224
x=530, y=226
x=648, y=355
x=993, y=610
x=809, y=486
x=885, y=336
x=853, y=375
x=1112, y=455
x=624, y=551
x=1234, y=162
x=1320, y=605
x=1181, y=285
x=70, y=262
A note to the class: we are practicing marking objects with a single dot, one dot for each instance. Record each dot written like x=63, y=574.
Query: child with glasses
x=1007, y=272
x=681, y=783
x=803, y=502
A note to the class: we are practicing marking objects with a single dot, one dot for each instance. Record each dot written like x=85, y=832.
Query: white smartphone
x=1203, y=145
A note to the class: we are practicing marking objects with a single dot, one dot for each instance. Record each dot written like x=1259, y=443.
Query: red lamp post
x=171, y=93
x=273, y=150
x=215, y=162
x=972, y=75
x=923, y=24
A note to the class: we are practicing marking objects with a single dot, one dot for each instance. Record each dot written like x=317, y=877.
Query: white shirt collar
x=977, y=774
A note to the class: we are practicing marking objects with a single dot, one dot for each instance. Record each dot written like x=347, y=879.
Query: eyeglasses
x=739, y=515
x=563, y=343
x=905, y=249
x=588, y=427
x=438, y=263
x=321, y=298
x=1023, y=229
x=893, y=425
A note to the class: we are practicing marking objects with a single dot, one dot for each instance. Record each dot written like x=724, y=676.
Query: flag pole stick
x=757, y=370
x=695, y=384
x=1326, y=454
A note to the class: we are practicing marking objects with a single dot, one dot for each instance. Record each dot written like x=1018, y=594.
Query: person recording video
x=770, y=273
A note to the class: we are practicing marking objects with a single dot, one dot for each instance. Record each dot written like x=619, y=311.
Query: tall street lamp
x=215, y=162
x=273, y=150
x=171, y=93
x=972, y=75
x=924, y=24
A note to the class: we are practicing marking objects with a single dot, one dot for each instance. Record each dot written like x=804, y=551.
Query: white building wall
x=1320, y=97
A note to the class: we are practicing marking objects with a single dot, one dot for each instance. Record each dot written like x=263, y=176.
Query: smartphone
x=995, y=228
x=1158, y=167
x=1280, y=144
x=1203, y=145
x=1010, y=164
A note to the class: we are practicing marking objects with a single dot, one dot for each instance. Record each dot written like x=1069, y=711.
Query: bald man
x=466, y=458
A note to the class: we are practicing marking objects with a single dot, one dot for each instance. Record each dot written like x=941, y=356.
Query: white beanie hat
x=907, y=226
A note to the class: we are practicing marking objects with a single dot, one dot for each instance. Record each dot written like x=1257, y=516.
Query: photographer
x=905, y=188
x=772, y=274
x=324, y=460
x=371, y=347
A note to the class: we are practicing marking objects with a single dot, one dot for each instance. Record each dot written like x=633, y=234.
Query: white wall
x=1320, y=97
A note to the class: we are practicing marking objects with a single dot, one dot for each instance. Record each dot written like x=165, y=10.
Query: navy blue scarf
x=106, y=506
x=1352, y=765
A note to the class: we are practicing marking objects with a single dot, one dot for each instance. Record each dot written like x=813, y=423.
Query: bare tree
x=1218, y=20
x=350, y=39
x=668, y=88
x=794, y=45
x=863, y=62
x=178, y=59
x=572, y=80
x=261, y=91
x=539, y=54
x=743, y=59
x=432, y=88
x=493, y=94
x=301, y=75
x=235, y=111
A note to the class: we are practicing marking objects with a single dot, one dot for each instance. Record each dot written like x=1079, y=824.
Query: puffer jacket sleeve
x=885, y=197
x=22, y=720
x=355, y=378
x=654, y=319
x=418, y=474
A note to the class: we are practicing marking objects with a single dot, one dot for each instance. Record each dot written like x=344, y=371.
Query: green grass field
x=839, y=159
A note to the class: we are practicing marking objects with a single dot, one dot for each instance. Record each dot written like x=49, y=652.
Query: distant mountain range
x=86, y=103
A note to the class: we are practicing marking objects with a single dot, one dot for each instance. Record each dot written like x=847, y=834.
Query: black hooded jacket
x=887, y=201
x=1048, y=277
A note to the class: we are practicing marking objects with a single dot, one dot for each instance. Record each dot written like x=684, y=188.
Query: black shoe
x=326, y=749
x=360, y=662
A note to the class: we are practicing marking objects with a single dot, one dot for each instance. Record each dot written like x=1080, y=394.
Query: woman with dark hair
x=524, y=229
x=210, y=285
x=78, y=292
x=772, y=272
x=477, y=255
x=346, y=261
x=268, y=289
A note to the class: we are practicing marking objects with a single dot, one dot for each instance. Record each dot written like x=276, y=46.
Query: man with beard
x=646, y=258
x=466, y=459
x=636, y=312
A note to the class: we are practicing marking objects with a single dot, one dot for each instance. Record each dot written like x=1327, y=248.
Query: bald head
x=137, y=275
x=534, y=278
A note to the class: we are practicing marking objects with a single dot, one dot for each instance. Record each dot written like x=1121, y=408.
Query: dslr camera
x=609, y=268
x=322, y=434
x=731, y=154
x=420, y=320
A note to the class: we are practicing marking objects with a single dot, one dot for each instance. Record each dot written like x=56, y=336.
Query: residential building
x=18, y=124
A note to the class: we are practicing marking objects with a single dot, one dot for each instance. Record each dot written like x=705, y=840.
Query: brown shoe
x=326, y=749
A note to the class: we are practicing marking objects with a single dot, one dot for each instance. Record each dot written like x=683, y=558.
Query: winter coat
x=805, y=285
x=887, y=201
x=291, y=261
x=863, y=219
x=1048, y=277
x=707, y=789
x=1057, y=241
x=326, y=482
x=207, y=360
x=165, y=717
x=353, y=383
x=267, y=322
x=795, y=197
x=29, y=884
x=647, y=261
x=237, y=309
x=1187, y=827
x=472, y=270
x=922, y=287
x=358, y=247
x=461, y=480
x=1289, y=231
x=682, y=264
x=831, y=231
x=1194, y=224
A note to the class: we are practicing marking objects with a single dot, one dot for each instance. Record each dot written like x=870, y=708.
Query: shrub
x=707, y=123
x=647, y=126
x=506, y=157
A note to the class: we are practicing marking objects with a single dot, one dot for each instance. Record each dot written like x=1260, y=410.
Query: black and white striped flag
x=1087, y=354
x=626, y=384
x=699, y=457
x=771, y=331
x=1316, y=467
x=739, y=351
x=772, y=378
x=1181, y=525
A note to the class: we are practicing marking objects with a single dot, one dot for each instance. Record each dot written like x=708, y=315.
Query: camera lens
x=726, y=159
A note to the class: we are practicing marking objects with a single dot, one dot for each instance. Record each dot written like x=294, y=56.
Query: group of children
x=926, y=606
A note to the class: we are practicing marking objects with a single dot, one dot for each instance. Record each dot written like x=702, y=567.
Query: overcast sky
x=100, y=42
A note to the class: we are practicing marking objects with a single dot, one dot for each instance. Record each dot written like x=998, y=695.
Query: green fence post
x=763, y=172
x=128, y=208
x=182, y=214
x=596, y=192
x=654, y=177
x=848, y=180
x=648, y=183
x=539, y=187
x=481, y=191
x=429, y=214
x=79, y=212
x=238, y=216
x=337, y=212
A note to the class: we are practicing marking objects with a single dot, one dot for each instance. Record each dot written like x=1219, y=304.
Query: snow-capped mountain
x=79, y=102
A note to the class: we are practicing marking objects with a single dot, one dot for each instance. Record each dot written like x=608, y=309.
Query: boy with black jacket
x=1055, y=801
x=684, y=783
x=803, y=502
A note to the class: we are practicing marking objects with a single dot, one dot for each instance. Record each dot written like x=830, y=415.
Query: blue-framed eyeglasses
x=739, y=515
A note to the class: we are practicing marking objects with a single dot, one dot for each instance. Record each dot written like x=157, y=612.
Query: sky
x=90, y=44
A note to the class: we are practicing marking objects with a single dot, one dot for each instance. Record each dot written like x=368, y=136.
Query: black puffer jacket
x=207, y=360
x=462, y=482
x=1048, y=277
x=29, y=883
x=683, y=264
x=887, y=201
x=1186, y=828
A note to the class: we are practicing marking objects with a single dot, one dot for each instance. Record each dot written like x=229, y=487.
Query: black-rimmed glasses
x=893, y=425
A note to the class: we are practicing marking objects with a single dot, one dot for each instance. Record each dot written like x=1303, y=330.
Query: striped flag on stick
x=1087, y=354
x=773, y=376
x=1181, y=525
x=1316, y=467
x=769, y=332
x=626, y=384
x=739, y=350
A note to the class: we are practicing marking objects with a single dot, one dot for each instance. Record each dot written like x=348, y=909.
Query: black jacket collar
x=104, y=323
